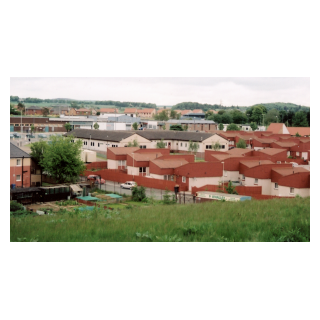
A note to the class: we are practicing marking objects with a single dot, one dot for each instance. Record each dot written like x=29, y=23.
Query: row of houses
x=271, y=171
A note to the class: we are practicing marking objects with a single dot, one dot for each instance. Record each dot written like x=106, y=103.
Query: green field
x=268, y=220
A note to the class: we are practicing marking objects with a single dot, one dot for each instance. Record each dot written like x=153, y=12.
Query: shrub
x=15, y=206
x=138, y=193
x=231, y=189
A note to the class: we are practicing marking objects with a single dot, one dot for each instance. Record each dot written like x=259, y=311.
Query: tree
x=173, y=114
x=134, y=143
x=162, y=116
x=98, y=113
x=221, y=112
x=241, y=144
x=37, y=152
x=253, y=126
x=13, y=110
x=297, y=134
x=233, y=127
x=61, y=159
x=160, y=144
x=21, y=107
x=272, y=116
x=32, y=128
x=193, y=146
x=176, y=127
x=68, y=126
x=238, y=117
x=300, y=119
x=216, y=146
x=226, y=118
x=135, y=126
x=45, y=111
x=221, y=126
x=96, y=126
x=231, y=189
x=164, y=127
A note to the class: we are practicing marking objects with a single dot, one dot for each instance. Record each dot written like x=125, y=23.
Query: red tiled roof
x=222, y=157
x=197, y=111
x=146, y=110
x=83, y=110
x=123, y=150
x=254, y=163
x=168, y=164
x=271, y=151
x=276, y=127
x=287, y=170
x=238, y=151
x=145, y=156
x=263, y=140
x=130, y=110
x=303, y=131
x=286, y=144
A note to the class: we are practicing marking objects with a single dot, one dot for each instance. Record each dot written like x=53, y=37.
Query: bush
x=167, y=199
x=15, y=206
x=138, y=193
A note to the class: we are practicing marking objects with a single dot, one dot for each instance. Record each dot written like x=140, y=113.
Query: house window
x=85, y=143
x=184, y=179
x=172, y=178
x=16, y=125
x=18, y=177
x=114, y=146
x=92, y=144
x=276, y=186
x=243, y=177
x=222, y=146
x=18, y=162
x=165, y=177
x=143, y=147
x=298, y=153
x=181, y=144
x=291, y=190
x=208, y=147
x=255, y=181
x=142, y=169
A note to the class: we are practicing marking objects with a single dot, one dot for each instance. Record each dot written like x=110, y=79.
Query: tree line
x=127, y=104
x=260, y=115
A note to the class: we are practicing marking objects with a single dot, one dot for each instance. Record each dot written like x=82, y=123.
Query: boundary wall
x=120, y=176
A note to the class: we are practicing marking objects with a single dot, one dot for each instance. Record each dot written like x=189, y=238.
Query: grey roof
x=197, y=121
x=33, y=108
x=175, y=135
x=16, y=152
x=105, y=135
x=123, y=119
x=118, y=135
x=24, y=190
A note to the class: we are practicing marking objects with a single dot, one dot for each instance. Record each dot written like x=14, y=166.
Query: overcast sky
x=168, y=91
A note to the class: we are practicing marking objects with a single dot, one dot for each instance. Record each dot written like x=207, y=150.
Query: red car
x=96, y=178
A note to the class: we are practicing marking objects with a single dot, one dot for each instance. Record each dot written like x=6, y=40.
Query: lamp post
x=222, y=175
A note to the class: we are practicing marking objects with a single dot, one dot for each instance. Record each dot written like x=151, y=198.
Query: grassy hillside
x=268, y=220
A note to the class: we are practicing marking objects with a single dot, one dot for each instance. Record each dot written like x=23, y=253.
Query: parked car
x=98, y=181
x=11, y=135
x=96, y=178
x=30, y=135
x=128, y=185
x=41, y=135
x=16, y=135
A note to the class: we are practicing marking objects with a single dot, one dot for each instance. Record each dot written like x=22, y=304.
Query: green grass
x=267, y=220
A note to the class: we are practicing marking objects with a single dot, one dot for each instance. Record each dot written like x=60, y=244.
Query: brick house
x=24, y=172
x=146, y=113
x=36, y=111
